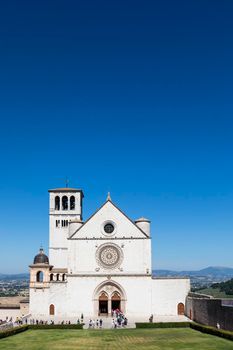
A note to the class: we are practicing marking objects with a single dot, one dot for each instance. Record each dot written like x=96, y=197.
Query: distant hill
x=211, y=271
x=219, y=290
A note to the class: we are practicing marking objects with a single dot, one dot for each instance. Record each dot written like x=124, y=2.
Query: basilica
x=99, y=265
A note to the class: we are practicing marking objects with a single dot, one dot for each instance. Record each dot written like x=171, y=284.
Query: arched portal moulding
x=109, y=287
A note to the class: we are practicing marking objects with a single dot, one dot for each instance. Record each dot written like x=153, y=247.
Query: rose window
x=109, y=256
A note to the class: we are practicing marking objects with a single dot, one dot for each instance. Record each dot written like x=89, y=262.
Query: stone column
x=109, y=307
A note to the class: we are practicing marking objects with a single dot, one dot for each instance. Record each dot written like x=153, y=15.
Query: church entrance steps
x=107, y=323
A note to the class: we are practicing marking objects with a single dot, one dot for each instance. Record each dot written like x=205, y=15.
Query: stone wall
x=210, y=311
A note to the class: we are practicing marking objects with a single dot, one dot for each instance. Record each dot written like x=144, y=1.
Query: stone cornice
x=41, y=266
x=107, y=239
x=109, y=276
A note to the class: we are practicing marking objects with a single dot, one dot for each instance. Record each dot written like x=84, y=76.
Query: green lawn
x=130, y=339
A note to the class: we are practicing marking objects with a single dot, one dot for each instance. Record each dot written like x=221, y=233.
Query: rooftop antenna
x=108, y=197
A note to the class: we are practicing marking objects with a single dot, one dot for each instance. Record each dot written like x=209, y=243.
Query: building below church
x=99, y=265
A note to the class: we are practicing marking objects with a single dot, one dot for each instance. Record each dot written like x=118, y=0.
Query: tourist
x=97, y=323
x=90, y=323
x=101, y=323
x=113, y=323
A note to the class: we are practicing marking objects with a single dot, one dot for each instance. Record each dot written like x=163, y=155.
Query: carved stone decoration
x=109, y=256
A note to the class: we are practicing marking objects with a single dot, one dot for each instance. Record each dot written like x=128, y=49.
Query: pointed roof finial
x=108, y=197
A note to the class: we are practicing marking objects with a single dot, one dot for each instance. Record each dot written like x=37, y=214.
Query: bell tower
x=65, y=205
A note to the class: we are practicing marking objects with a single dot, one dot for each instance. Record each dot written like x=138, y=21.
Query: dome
x=142, y=220
x=41, y=258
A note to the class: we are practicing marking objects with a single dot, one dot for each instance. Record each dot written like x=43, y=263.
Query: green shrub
x=56, y=326
x=211, y=330
x=162, y=324
x=13, y=331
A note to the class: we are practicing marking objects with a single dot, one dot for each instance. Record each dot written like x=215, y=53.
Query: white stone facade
x=99, y=265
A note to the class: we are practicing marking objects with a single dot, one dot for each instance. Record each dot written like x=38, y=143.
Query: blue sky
x=132, y=97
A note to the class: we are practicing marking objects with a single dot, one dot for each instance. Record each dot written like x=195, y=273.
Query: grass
x=128, y=339
x=215, y=292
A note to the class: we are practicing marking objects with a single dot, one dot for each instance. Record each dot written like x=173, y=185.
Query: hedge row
x=162, y=324
x=213, y=331
x=56, y=326
x=13, y=331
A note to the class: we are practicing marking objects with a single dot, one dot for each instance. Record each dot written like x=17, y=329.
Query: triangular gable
x=125, y=227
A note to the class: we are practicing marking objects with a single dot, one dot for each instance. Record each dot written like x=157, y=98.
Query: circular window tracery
x=109, y=256
x=108, y=228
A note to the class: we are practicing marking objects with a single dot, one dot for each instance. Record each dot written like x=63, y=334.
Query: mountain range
x=211, y=271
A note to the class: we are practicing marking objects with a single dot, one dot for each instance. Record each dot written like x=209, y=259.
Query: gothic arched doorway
x=103, y=304
x=109, y=296
x=116, y=301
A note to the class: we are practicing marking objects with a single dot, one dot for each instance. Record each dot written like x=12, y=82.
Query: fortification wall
x=210, y=311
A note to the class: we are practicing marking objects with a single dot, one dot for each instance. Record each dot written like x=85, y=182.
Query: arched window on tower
x=51, y=309
x=58, y=277
x=39, y=276
x=63, y=277
x=64, y=203
x=57, y=203
x=72, y=203
x=51, y=277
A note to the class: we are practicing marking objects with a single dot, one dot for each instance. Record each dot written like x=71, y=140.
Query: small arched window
x=63, y=277
x=57, y=203
x=39, y=276
x=51, y=309
x=64, y=203
x=58, y=277
x=72, y=203
x=51, y=277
